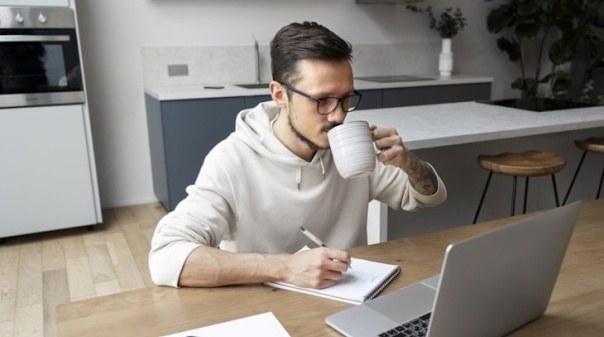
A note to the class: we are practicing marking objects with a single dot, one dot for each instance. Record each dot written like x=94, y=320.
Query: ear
x=278, y=94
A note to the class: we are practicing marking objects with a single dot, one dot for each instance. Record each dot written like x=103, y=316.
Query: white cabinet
x=47, y=173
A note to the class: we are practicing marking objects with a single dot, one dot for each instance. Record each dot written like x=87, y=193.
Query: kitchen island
x=451, y=136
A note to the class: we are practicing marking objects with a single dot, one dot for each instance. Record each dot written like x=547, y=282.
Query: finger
x=332, y=276
x=340, y=260
x=326, y=284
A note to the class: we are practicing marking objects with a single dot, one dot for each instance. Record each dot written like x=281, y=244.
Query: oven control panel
x=36, y=17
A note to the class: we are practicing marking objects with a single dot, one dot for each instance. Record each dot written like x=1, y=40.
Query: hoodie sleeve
x=201, y=219
x=392, y=186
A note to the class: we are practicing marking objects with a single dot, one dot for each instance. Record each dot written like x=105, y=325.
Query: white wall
x=113, y=32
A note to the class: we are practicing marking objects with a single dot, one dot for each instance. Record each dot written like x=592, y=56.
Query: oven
x=48, y=174
x=39, y=57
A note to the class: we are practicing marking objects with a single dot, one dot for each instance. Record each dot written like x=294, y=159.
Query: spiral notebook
x=364, y=281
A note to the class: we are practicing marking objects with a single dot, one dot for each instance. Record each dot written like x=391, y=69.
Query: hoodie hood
x=254, y=128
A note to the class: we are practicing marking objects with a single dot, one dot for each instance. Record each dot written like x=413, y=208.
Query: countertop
x=181, y=92
x=430, y=126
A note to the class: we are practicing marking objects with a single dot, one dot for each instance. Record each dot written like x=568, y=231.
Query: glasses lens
x=353, y=102
x=328, y=105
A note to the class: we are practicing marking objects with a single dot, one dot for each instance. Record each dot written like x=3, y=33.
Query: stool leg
x=526, y=183
x=514, y=195
x=484, y=192
x=600, y=186
x=555, y=190
x=572, y=182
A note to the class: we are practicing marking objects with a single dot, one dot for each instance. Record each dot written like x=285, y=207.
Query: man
x=240, y=222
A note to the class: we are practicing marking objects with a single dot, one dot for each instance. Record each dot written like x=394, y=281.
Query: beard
x=312, y=145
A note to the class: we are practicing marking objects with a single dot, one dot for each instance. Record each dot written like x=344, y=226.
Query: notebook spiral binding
x=383, y=285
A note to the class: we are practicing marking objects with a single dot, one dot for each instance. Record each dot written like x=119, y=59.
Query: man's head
x=311, y=67
x=304, y=41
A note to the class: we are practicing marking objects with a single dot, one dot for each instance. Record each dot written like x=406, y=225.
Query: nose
x=338, y=115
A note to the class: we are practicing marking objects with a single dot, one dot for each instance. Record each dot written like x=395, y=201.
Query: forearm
x=421, y=175
x=210, y=267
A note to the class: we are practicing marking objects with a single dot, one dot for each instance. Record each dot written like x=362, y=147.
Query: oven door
x=39, y=67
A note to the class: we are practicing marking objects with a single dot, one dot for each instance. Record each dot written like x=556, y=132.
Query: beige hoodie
x=253, y=194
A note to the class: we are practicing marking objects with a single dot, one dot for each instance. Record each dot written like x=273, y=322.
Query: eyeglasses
x=327, y=105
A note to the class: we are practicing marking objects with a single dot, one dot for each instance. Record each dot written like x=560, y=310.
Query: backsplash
x=237, y=64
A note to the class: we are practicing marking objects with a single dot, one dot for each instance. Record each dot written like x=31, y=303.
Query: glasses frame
x=318, y=100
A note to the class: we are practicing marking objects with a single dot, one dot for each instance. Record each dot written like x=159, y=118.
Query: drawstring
x=322, y=167
x=299, y=176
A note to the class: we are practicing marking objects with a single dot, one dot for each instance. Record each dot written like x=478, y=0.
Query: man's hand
x=316, y=268
x=394, y=152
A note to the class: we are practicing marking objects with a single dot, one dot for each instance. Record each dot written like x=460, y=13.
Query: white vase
x=445, y=59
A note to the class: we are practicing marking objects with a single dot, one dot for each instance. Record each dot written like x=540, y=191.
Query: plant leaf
x=596, y=32
x=511, y=47
x=560, y=52
x=500, y=18
x=546, y=78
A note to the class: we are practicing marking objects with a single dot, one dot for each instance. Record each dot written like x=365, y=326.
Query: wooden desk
x=576, y=307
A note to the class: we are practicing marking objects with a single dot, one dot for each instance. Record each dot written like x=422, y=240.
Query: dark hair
x=303, y=41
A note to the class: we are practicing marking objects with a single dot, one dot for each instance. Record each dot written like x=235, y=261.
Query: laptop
x=489, y=285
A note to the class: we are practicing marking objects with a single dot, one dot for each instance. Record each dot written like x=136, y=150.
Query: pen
x=314, y=239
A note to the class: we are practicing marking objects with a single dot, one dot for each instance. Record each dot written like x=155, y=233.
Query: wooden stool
x=591, y=145
x=527, y=164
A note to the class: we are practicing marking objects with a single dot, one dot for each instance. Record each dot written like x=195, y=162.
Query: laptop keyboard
x=415, y=327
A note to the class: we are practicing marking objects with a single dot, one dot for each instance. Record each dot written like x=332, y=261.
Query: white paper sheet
x=262, y=325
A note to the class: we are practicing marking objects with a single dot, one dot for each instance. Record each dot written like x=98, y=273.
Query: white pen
x=314, y=239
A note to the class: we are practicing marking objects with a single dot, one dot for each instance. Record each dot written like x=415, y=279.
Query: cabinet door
x=372, y=99
x=436, y=94
x=191, y=128
x=45, y=176
x=252, y=101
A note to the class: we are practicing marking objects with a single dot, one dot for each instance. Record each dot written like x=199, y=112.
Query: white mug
x=352, y=148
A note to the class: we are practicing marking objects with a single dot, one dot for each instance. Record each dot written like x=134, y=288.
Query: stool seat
x=526, y=164
x=591, y=144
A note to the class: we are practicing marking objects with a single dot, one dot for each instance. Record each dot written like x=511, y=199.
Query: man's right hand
x=316, y=268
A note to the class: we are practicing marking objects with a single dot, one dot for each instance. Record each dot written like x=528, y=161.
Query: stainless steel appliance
x=47, y=173
x=39, y=57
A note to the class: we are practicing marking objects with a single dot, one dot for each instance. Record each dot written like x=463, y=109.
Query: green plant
x=450, y=23
x=564, y=29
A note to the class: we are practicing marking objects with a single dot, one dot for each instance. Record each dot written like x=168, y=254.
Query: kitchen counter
x=451, y=136
x=182, y=92
x=430, y=126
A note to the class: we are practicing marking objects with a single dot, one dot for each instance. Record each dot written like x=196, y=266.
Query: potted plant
x=447, y=24
x=563, y=31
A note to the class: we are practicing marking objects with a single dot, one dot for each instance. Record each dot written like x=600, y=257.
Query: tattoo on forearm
x=421, y=176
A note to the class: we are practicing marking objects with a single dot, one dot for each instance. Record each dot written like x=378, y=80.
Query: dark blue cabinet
x=181, y=133
x=397, y=97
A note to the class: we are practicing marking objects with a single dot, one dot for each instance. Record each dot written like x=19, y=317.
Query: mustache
x=330, y=126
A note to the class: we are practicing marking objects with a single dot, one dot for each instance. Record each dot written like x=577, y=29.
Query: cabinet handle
x=33, y=38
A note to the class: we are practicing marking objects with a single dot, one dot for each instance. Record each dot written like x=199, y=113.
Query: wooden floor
x=40, y=271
